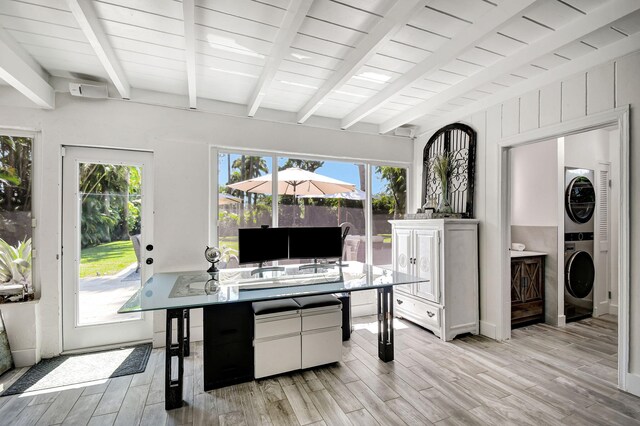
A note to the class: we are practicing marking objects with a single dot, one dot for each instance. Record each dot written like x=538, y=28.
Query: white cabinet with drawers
x=444, y=252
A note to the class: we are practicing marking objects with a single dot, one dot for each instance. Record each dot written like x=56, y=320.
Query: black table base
x=178, y=349
x=228, y=344
x=385, y=323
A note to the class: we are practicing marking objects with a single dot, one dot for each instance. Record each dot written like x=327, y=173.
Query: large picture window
x=16, y=187
x=310, y=193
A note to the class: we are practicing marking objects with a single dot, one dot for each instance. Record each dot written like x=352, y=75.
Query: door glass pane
x=389, y=201
x=15, y=218
x=247, y=207
x=324, y=193
x=110, y=200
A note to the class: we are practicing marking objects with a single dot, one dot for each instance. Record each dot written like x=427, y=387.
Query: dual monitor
x=256, y=245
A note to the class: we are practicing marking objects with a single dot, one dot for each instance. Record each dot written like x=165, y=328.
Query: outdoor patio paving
x=101, y=297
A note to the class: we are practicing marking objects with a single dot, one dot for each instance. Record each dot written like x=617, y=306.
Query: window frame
x=36, y=196
x=215, y=150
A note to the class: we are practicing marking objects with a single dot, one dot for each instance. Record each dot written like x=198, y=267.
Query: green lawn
x=230, y=242
x=106, y=259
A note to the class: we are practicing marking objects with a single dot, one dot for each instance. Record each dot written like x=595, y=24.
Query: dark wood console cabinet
x=527, y=290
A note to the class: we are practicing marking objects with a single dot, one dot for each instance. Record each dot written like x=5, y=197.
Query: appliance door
x=579, y=274
x=580, y=199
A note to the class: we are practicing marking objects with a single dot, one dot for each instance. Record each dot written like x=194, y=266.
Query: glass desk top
x=174, y=290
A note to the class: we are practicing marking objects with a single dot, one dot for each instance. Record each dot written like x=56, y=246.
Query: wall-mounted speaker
x=88, y=90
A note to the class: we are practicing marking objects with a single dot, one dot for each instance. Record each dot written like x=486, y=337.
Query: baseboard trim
x=562, y=320
x=25, y=358
x=633, y=384
x=613, y=309
x=488, y=329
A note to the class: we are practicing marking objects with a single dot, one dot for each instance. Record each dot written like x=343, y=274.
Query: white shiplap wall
x=598, y=89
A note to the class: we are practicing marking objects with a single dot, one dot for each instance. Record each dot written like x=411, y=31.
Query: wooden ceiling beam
x=19, y=70
x=401, y=12
x=291, y=23
x=573, y=31
x=88, y=21
x=189, y=14
x=467, y=39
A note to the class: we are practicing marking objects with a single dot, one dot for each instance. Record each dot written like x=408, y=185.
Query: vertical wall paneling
x=530, y=111
x=574, y=97
x=600, y=86
x=550, y=104
x=511, y=117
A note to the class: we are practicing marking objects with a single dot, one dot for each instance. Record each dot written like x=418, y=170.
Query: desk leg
x=385, y=323
x=187, y=331
x=173, y=379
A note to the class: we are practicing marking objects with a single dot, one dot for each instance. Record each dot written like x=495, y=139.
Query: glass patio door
x=107, y=245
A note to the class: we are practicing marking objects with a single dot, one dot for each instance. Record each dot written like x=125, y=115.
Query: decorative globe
x=213, y=256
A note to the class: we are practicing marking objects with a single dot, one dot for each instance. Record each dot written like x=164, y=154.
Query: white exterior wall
x=601, y=88
x=180, y=141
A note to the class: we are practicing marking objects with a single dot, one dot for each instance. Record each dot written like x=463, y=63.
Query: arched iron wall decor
x=459, y=141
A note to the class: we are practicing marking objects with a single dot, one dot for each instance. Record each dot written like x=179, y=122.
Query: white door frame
x=113, y=334
x=616, y=117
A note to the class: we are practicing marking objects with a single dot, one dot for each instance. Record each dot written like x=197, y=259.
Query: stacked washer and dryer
x=579, y=274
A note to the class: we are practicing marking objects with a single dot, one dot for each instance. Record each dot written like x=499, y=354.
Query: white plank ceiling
x=376, y=61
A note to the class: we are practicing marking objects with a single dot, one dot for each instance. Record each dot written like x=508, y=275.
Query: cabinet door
x=402, y=254
x=426, y=244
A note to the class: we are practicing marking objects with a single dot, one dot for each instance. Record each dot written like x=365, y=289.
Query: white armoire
x=445, y=253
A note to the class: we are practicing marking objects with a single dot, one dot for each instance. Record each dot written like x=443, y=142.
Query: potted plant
x=15, y=271
x=443, y=166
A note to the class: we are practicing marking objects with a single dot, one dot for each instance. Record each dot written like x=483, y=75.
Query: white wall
x=180, y=141
x=601, y=88
x=586, y=150
x=534, y=183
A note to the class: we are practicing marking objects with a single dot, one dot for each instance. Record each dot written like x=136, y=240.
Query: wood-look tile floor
x=543, y=375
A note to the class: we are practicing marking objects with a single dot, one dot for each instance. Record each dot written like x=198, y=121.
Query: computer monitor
x=257, y=245
x=315, y=243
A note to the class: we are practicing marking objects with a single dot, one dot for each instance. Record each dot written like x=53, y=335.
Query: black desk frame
x=180, y=348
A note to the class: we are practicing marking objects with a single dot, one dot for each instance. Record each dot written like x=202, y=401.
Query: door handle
x=430, y=314
x=400, y=302
x=149, y=261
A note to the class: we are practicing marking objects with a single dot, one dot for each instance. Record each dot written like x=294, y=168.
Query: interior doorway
x=107, y=235
x=619, y=154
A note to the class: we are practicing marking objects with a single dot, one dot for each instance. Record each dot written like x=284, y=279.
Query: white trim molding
x=615, y=117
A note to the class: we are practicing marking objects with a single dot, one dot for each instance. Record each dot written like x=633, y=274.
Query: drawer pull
x=430, y=314
x=400, y=302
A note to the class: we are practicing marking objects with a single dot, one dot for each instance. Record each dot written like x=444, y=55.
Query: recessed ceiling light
x=299, y=56
x=243, y=74
x=228, y=44
x=373, y=77
x=293, y=83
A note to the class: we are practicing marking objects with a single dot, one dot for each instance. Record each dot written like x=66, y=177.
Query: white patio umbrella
x=226, y=199
x=294, y=181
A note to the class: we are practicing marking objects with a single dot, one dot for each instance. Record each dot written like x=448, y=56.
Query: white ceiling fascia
x=400, y=13
x=598, y=18
x=291, y=23
x=19, y=73
x=90, y=25
x=189, y=11
x=487, y=24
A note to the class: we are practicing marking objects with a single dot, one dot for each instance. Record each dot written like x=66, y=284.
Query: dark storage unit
x=527, y=290
x=228, y=344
